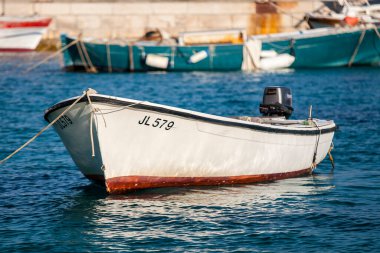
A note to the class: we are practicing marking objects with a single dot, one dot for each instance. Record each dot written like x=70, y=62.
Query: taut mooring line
x=85, y=93
x=52, y=56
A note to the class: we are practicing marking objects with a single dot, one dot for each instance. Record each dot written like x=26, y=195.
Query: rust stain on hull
x=120, y=185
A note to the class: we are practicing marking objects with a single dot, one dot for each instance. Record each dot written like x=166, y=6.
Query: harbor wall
x=131, y=19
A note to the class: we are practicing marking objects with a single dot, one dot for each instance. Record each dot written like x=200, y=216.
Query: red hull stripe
x=20, y=24
x=119, y=185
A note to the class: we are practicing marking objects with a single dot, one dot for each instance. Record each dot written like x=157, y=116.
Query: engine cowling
x=277, y=101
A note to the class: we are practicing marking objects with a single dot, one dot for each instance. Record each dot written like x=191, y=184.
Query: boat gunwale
x=311, y=34
x=126, y=43
x=188, y=114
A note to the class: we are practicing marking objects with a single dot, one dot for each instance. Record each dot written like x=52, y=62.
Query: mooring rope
x=79, y=48
x=93, y=111
x=131, y=63
x=376, y=31
x=91, y=130
x=357, y=48
x=85, y=58
x=313, y=163
x=52, y=56
x=250, y=58
x=172, y=56
x=85, y=93
x=92, y=135
x=281, y=48
x=108, y=111
x=331, y=157
x=109, y=62
x=92, y=67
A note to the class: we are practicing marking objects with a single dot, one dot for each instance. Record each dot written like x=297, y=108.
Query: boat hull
x=74, y=130
x=316, y=23
x=328, y=48
x=130, y=58
x=20, y=39
x=143, y=145
x=21, y=34
x=119, y=185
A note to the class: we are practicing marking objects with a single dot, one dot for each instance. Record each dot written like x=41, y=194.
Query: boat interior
x=282, y=121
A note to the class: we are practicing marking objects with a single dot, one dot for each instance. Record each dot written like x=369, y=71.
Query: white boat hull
x=20, y=39
x=148, y=145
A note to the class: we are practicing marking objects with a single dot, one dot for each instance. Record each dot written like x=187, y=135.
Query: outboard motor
x=277, y=101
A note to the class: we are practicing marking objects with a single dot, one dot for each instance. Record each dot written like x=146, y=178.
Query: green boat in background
x=319, y=48
x=316, y=48
x=144, y=56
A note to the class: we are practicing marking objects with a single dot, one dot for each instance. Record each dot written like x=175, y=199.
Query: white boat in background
x=138, y=145
x=352, y=13
x=21, y=33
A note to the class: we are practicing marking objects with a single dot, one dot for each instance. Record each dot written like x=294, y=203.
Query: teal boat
x=116, y=57
x=326, y=47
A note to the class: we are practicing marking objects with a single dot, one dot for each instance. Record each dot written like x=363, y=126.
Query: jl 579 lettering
x=63, y=122
x=160, y=123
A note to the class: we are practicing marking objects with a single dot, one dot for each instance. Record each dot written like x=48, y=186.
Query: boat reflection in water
x=188, y=215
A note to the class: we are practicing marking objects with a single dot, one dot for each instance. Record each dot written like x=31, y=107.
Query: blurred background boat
x=149, y=55
x=21, y=33
x=323, y=47
x=344, y=13
x=315, y=48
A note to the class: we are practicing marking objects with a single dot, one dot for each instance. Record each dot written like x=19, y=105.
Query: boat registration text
x=64, y=121
x=158, y=122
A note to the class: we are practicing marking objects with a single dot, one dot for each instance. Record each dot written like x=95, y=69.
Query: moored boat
x=21, y=34
x=131, y=144
x=332, y=20
x=142, y=56
x=348, y=13
x=316, y=48
x=326, y=47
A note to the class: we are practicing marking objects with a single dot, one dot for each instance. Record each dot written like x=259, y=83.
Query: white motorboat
x=352, y=13
x=129, y=144
x=21, y=33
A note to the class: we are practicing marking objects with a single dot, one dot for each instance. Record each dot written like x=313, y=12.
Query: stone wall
x=112, y=18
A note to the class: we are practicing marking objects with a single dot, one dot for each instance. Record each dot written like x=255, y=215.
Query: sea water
x=46, y=205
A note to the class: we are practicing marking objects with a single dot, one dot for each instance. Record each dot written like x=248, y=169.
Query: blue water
x=46, y=205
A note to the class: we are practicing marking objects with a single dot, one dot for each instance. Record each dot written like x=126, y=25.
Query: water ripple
x=46, y=205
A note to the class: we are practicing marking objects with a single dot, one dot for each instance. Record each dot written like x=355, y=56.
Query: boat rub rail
x=154, y=108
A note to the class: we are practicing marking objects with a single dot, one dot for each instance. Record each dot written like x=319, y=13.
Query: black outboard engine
x=277, y=101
